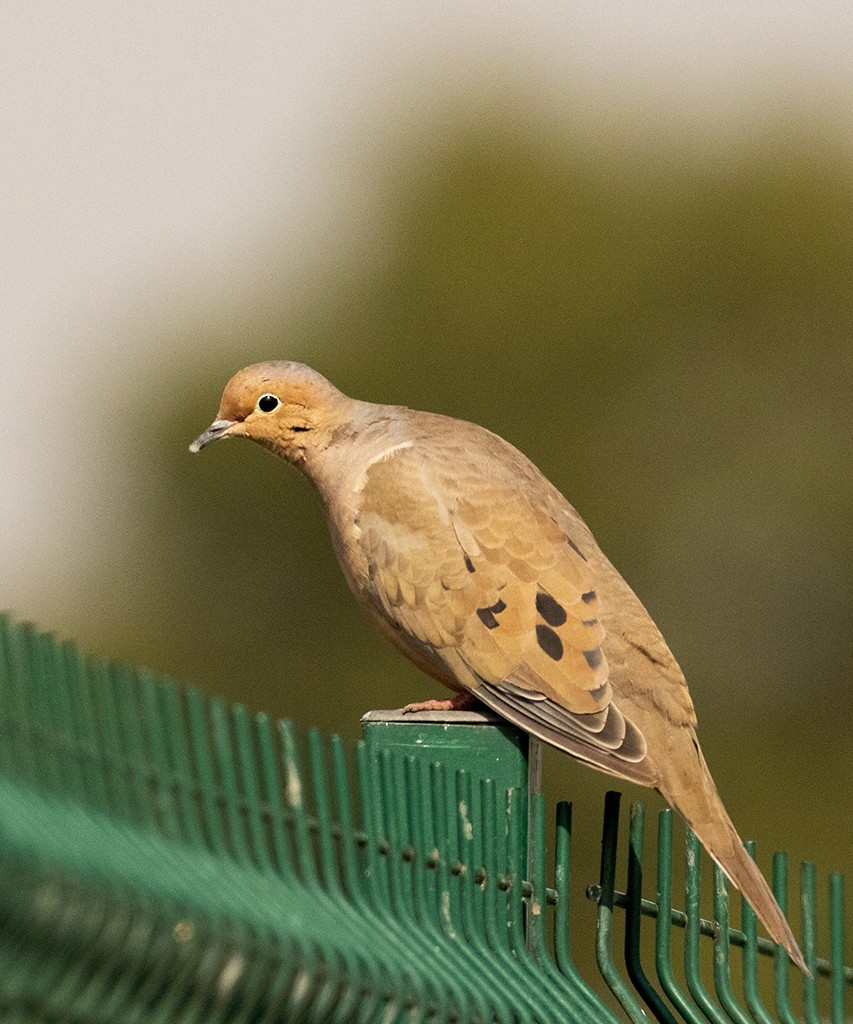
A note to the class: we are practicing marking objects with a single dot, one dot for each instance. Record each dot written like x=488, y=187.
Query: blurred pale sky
x=147, y=147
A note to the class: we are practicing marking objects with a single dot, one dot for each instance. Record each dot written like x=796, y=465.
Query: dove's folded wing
x=486, y=580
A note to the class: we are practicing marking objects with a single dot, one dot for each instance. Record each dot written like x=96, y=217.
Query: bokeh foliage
x=664, y=328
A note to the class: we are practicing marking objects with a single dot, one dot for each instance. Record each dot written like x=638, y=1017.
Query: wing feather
x=491, y=581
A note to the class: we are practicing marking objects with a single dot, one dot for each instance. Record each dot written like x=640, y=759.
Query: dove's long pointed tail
x=703, y=810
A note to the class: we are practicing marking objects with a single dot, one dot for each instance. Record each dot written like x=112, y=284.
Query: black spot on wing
x=487, y=615
x=575, y=548
x=593, y=657
x=550, y=609
x=550, y=643
x=589, y=622
x=469, y=565
x=588, y=597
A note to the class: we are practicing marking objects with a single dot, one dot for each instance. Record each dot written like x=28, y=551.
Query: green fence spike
x=568, y=1002
x=604, y=932
x=809, y=909
x=750, y=957
x=634, y=892
x=692, y=972
x=781, y=963
x=488, y=1003
x=663, y=930
x=352, y=882
x=537, y=904
x=272, y=796
x=414, y=839
x=229, y=794
x=515, y=877
x=588, y=1002
x=463, y=827
x=126, y=718
x=295, y=796
x=497, y=932
x=375, y=871
x=156, y=755
x=722, y=979
x=65, y=724
x=197, y=732
x=26, y=707
x=836, y=945
x=419, y=840
x=256, y=815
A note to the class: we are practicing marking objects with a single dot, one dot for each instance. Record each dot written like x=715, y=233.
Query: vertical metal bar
x=566, y=999
x=537, y=941
x=836, y=941
x=248, y=770
x=272, y=794
x=692, y=959
x=157, y=755
x=376, y=866
x=633, y=917
x=358, y=963
x=129, y=746
x=562, y=883
x=515, y=902
x=294, y=795
x=750, y=957
x=454, y=968
x=295, y=790
x=781, y=963
x=604, y=930
x=418, y=820
x=47, y=772
x=663, y=930
x=532, y=790
x=204, y=771
x=489, y=1002
x=371, y=881
x=77, y=674
x=808, y=898
x=343, y=806
x=56, y=738
x=497, y=932
x=507, y=987
x=62, y=682
x=400, y=893
x=327, y=859
x=722, y=980
x=352, y=882
x=22, y=752
x=588, y=1003
x=168, y=710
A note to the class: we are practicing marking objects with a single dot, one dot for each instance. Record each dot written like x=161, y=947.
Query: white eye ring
x=268, y=403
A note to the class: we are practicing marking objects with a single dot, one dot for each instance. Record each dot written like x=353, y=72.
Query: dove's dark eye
x=266, y=403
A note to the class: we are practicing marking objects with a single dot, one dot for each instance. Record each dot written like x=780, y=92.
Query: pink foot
x=461, y=702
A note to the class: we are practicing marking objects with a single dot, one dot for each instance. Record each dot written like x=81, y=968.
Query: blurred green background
x=661, y=320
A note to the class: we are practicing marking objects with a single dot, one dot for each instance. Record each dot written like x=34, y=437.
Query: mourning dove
x=479, y=571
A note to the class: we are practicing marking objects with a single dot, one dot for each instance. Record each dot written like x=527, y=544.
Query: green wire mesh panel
x=168, y=857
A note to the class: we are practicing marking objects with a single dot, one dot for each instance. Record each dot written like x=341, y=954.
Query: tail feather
x=704, y=812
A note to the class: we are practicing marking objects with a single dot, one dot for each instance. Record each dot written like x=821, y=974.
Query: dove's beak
x=216, y=430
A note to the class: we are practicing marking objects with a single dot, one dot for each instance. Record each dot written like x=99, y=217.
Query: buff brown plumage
x=476, y=567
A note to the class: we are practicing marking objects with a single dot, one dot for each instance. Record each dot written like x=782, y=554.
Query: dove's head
x=285, y=407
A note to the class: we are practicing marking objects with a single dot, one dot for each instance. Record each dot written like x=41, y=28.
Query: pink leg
x=463, y=701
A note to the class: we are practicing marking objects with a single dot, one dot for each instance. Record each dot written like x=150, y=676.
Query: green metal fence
x=165, y=857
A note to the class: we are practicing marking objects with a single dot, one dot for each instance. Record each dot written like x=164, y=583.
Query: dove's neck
x=338, y=464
